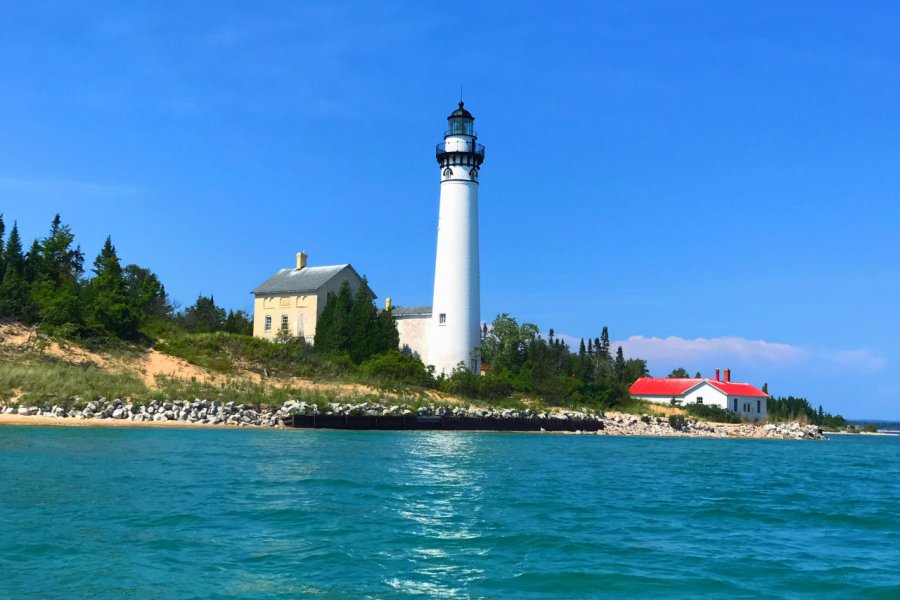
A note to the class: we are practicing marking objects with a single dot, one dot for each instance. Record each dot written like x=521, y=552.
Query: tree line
x=517, y=357
x=48, y=285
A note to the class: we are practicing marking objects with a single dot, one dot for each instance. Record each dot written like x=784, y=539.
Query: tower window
x=474, y=174
x=284, y=322
x=442, y=319
x=448, y=172
x=268, y=325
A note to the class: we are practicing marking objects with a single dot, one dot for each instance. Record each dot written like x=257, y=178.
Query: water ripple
x=244, y=514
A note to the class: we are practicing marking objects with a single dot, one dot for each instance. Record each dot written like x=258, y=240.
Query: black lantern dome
x=460, y=122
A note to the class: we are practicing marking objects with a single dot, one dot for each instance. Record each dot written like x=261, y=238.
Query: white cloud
x=709, y=352
x=705, y=350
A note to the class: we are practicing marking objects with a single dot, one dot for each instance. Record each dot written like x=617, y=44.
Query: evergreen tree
x=590, y=347
x=604, y=343
x=147, y=293
x=333, y=325
x=12, y=253
x=57, y=268
x=765, y=388
x=110, y=310
x=2, y=245
x=679, y=373
x=620, y=364
x=581, y=349
x=32, y=260
x=15, y=296
x=203, y=317
x=350, y=324
x=238, y=322
x=697, y=375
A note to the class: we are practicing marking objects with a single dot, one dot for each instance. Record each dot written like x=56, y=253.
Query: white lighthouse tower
x=455, y=331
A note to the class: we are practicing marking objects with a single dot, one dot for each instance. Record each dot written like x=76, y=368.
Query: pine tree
x=604, y=343
x=204, y=316
x=332, y=326
x=12, y=254
x=147, y=293
x=581, y=349
x=2, y=245
x=56, y=267
x=238, y=322
x=110, y=310
x=32, y=262
x=590, y=347
x=620, y=364
x=15, y=297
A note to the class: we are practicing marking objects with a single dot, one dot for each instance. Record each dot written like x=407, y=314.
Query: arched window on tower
x=448, y=172
x=474, y=174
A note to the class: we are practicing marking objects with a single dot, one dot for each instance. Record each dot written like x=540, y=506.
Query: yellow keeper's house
x=292, y=299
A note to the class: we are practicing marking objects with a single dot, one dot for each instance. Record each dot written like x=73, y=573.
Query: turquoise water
x=150, y=513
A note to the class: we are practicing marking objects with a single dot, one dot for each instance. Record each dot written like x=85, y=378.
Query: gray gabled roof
x=411, y=311
x=305, y=280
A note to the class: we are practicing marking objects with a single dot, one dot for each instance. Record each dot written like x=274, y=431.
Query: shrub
x=677, y=422
x=395, y=368
x=869, y=428
x=711, y=412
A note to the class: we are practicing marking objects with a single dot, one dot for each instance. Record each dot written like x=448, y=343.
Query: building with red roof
x=740, y=398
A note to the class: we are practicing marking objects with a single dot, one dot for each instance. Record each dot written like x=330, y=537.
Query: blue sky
x=715, y=181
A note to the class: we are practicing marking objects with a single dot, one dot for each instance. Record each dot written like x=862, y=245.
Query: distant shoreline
x=613, y=424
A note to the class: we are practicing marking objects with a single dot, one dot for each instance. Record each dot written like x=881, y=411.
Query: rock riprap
x=214, y=412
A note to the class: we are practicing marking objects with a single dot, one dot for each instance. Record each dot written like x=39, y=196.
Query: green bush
x=465, y=383
x=870, y=428
x=677, y=422
x=711, y=412
x=225, y=352
x=396, y=368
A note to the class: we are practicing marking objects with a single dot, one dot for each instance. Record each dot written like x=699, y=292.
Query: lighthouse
x=455, y=328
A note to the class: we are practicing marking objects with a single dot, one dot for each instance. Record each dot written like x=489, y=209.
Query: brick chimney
x=727, y=375
x=717, y=374
x=301, y=260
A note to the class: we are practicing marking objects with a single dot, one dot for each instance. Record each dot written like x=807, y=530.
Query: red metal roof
x=671, y=386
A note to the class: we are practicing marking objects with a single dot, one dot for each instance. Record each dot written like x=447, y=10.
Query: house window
x=442, y=319
x=735, y=405
x=758, y=406
x=284, y=322
x=699, y=399
x=268, y=322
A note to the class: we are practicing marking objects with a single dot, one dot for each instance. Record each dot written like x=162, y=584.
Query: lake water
x=152, y=513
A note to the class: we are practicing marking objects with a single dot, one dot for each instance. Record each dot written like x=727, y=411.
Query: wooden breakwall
x=439, y=423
